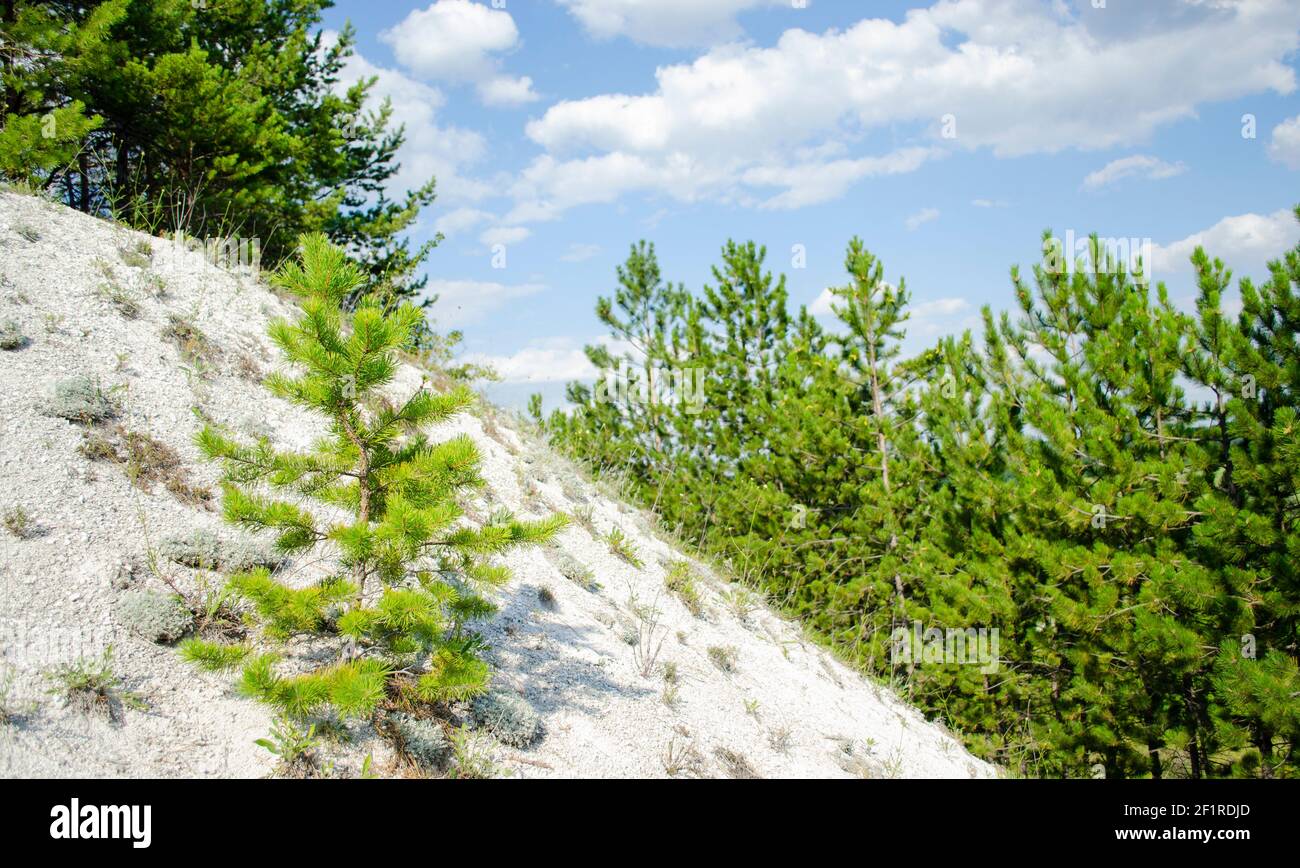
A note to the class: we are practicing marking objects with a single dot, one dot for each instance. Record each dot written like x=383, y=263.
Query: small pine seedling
x=410, y=576
x=621, y=546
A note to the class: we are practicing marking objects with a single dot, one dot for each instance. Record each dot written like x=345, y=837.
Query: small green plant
x=18, y=522
x=421, y=739
x=670, y=695
x=155, y=286
x=546, y=597
x=139, y=256
x=751, y=707
x=293, y=746
x=508, y=717
x=573, y=570
x=11, y=336
x=671, y=675
x=585, y=517
x=735, y=764
x=649, y=635
x=471, y=757
x=196, y=350
x=723, y=657
x=92, y=687
x=122, y=298
x=741, y=601
x=621, y=547
x=680, y=581
x=27, y=232
x=81, y=399
x=160, y=618
x=681, y=758
x=214, y=609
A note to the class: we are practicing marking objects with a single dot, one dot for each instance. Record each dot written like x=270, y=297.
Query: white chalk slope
x=788, y=709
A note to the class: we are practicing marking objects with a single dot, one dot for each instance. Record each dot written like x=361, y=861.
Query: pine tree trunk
x=13, y=96
x=1193, y=718
x=363, y=486
x=85, y=182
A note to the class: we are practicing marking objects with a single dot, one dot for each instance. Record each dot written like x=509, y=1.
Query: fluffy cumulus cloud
x=461, y=302
x=461, y=41
x=1284, y=144
x=461, y=220
x=546, y=360
x=505, y=90
x=1245, y=243
x=505, y=235
x=1136, y=166
x=432, y=149
x=665, y=22
x=811, y=182
x=1011, y=76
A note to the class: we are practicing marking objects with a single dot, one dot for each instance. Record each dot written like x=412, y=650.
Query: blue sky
x=946, y=134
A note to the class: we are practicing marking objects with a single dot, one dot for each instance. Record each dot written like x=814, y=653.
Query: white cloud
x=811, y=183
x=580, y=252
x=940, y=307
x=664, y=22
x=920, y=218
x=548, y=360
x=460, y=41
x=452, y=39
x=989, y=203
x=465, y=301
x=1245, y=243
x=1284, y=146
x=505, y=235
x=431, y=149
x=1019, y=76
x=548, y=187
x=821, y=305
x=461, y=220
x=505, y=90
x=1138, y=165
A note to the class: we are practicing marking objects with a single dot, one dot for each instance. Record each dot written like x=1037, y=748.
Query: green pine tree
x=1250, y=530
x=410, y=571
x=44, y=128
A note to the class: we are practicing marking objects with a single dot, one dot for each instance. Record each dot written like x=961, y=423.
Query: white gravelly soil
x=787, y=710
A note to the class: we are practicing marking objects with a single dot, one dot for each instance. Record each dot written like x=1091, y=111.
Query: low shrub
x=204, y=550
x=81, y=399
x=508, y=717
x=160, y=618
x=11, y=336
x=421, y=739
